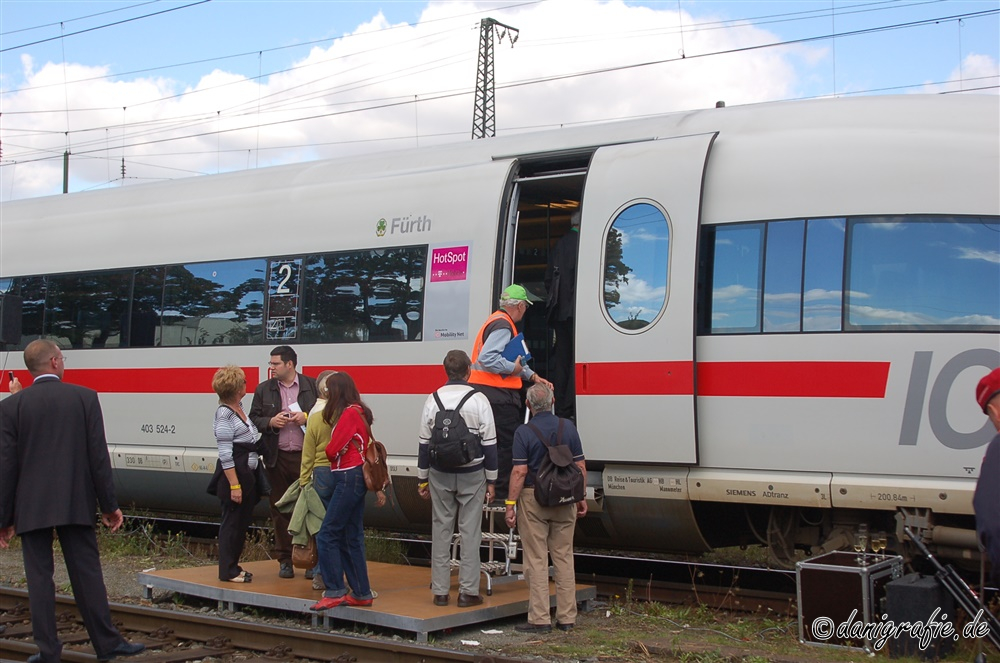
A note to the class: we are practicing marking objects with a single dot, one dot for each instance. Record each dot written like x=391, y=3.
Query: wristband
x=510, y=502
x=235, y=486
x=421, y=485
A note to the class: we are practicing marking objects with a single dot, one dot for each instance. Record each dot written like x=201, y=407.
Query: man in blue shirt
x=544, y=530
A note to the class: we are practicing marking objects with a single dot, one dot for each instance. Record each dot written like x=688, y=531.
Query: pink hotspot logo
x=450, y=264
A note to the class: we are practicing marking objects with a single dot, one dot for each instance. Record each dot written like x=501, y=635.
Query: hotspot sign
x=446, y=296
x=449, y=264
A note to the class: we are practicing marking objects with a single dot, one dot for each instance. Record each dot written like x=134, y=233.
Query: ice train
x=782, y=309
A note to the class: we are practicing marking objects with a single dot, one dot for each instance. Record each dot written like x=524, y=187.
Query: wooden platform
x=404, y=598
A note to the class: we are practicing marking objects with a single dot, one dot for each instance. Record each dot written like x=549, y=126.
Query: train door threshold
x=404, y=601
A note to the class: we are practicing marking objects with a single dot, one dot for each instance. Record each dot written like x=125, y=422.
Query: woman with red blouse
x=341, y=539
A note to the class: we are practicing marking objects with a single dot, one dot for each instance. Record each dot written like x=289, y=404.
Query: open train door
x=635, y=376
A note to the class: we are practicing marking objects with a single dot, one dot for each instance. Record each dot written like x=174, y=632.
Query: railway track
x=175, y=637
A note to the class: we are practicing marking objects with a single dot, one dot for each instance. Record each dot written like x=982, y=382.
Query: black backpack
x=558, y=480
x=452, y=444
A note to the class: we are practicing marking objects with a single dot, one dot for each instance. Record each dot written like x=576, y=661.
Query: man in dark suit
x=54, y=467
x=279, y=409
x=560, y=284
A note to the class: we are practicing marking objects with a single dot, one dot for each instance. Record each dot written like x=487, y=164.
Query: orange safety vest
x=485, y=377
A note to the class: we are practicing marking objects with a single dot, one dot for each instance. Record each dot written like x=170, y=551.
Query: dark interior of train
x=548, y=192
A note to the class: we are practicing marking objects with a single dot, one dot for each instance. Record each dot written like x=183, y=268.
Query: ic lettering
x=937, y=404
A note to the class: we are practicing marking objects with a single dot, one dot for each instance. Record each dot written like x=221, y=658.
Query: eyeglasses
x=275, y=363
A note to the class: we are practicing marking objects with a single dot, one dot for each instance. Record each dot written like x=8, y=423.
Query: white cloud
x=976, y=72
x=732, y=292
x=818, y=294
x=639, y=292
x=966, y=253
x=171, y=130
x=867, y=315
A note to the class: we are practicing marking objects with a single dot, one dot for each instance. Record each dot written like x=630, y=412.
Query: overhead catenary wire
x=78, y=18
x=876, y=6
x=101, y=27
x=654, y=62
x=434, y=96
x=708, y=25
x=273, y=49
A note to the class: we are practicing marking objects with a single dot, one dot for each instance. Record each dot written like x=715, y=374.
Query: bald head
x=39, y=356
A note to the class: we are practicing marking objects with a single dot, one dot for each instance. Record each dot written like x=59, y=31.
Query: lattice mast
x=484, y=113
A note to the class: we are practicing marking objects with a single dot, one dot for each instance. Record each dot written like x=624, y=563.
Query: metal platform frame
x=415, y=615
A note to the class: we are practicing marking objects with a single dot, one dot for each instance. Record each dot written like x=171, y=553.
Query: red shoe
x=358, y=603
x=327, y=602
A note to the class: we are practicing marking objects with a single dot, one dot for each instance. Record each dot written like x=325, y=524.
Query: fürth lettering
x=406, y=224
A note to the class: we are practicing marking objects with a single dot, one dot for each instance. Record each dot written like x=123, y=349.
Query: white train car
x=782, y=309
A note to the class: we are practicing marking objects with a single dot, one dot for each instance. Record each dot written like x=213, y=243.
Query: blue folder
x=517, y=348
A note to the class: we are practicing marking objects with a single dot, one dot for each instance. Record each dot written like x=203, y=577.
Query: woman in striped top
x=237, y=438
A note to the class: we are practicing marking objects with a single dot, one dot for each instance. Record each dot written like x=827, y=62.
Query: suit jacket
x=267, y=403
x=986, y=503
x=54, y=462
x=560, y=278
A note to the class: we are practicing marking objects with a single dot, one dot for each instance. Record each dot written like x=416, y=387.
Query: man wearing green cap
x=501, y=379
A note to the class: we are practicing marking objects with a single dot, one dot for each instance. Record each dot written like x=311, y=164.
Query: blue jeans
x=323, y=485
x=341, y=539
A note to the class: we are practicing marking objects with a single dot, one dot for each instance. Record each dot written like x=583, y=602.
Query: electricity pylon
x=484, y=123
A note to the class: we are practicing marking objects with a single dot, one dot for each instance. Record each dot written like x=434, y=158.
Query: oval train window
x=636, y=253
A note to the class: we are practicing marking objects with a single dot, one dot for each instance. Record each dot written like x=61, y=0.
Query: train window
x=31, y=289
x=636, y=256
x=783, y=276
x=736, y=278
x=283, y=299
x=361, y=296
x=217, y=303
x=87, y=310
x=823, y=283
x=924, y=272
x=147, y=307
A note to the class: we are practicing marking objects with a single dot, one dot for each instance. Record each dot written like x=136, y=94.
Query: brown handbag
x=305, y=557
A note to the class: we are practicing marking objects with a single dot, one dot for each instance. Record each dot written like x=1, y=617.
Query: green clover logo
x=380, y=228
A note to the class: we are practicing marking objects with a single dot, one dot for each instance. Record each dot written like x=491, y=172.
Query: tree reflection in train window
x=636, y=256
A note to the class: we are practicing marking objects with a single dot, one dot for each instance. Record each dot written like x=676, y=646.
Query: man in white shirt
x=457, y=491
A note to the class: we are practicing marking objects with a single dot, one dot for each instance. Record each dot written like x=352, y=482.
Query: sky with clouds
x=178, y=89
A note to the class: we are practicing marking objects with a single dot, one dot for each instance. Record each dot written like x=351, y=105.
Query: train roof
x=969, y=120
x=900, y=113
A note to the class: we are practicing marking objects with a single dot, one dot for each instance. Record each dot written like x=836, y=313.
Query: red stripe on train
x=769, y=379
x=147, y=380
x=648, y=378
x=794, y=379
x=409, y=379
x=186, y=380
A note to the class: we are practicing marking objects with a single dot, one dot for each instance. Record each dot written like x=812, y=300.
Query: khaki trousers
x=545, y=531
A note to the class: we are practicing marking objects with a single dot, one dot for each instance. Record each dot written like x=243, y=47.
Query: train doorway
x=546, y=193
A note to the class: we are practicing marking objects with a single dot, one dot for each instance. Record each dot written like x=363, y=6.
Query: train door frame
x=559, y=178
x=636, y=378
